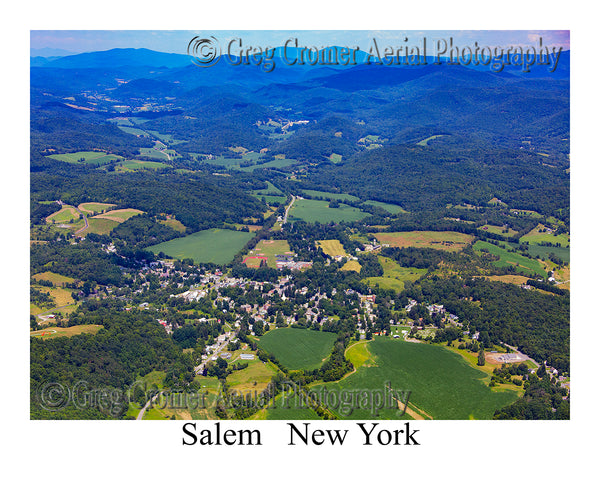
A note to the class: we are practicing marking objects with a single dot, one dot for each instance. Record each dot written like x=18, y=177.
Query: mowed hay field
x=389, y=207
x=55, y=332
x=297, y=348
x=442, y=384
x=207, y=246
x=332, y=247
x=318, y=211
x=268, y=249
x=451, y=241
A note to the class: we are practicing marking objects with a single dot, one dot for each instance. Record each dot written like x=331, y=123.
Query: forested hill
x=425, y=177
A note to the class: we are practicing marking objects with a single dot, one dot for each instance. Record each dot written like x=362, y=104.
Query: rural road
x=287, y=210
x=86, y=223
x=140, y=415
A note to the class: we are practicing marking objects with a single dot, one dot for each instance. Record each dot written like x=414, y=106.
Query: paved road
x=200, y=368
x=287, y=210
x=143, y=410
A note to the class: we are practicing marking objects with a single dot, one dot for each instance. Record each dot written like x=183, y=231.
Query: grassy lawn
x=442, y=384
x=319, y=211
x=521, y=263
x=269, y=248
x=207, y=246
x=389, y=207
x=394, y=275
x=298, y=348
x=331, y=196
x=451, y=241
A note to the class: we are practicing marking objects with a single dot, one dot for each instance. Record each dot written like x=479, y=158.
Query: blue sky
x=176, y=41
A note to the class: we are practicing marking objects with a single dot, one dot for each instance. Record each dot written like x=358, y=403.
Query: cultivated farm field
x=319, y=211
x=298, y=348
x=207, y=246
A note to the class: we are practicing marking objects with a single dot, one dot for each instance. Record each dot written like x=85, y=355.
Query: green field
x=331, y=196
x=100, y=226
x=133, y=131
x=335, y=158
x=271, y=199
x=498, y=230
x=563, y=253
x=207, y=246
x=120, y=215
x=55, y=332
x=390, y=207
x=277, y=163
x=64, y=215
x=153, y=153
x=131, y=165
x=319, y=211
x=442, y=384
x=537, y=237
x=297, y=348
x=57, y=279
x=270, y=190
x=90, y=158
x=394, y=275
x=521, y=263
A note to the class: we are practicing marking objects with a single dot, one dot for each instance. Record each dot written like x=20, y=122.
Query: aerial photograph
x=299, y=225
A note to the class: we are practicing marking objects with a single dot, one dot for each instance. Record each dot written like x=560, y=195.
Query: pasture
x=312, y=211
x=253, y=378
x=207, y=246
x=100, y=226
x=277, y=163
x=89, y=157
x=297, y=348
x=521, y=263
x=174, y=224
x=425, y=142
x=451, y=241
x=394, y=275
x=442, y=384
x=270, y=190
x=133, y=165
